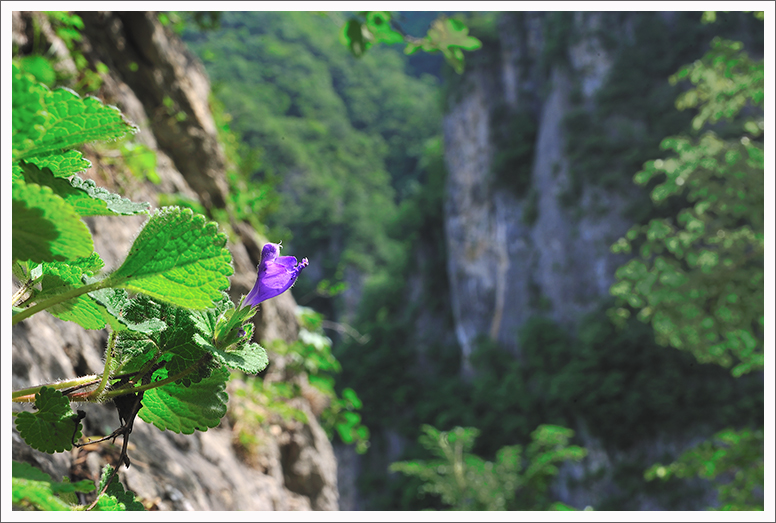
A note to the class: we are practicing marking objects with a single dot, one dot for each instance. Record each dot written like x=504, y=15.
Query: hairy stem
x=107, y=368
x=28, y=395
x=59, y=298
x=133, y=390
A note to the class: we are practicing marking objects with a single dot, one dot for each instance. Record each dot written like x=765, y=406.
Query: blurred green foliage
x=514, y=481
x=311, y=355
x=634, y=108
x=699, y=279
x=732, y=460
x=42, y=62
x=342, y=138
x=448, y=35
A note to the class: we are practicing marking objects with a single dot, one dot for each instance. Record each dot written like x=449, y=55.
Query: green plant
x=513, y=481
x=311, y=354
x=699, y=280
x=732, y=460
x=446, y=35
x=171, y=343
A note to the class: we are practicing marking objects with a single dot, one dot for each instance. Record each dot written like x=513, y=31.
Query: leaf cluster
x=732, y=459
x=36, y=490
x=449, y=36
x=172, y=341
x=516, y=480
x=699, y=279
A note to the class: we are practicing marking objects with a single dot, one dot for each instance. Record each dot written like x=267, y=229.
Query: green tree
x=515, y=481
x=700, y=278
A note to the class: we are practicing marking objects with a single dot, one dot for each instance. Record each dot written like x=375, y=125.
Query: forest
x=528, y=261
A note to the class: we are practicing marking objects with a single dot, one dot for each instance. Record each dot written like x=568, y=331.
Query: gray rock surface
x=294, y=467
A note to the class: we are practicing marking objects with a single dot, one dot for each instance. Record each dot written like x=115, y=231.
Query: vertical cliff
x=543, y=135
x=521, y=250
x=163, y=89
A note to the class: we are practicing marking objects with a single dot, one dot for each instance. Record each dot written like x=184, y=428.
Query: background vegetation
x=343, y=158
x=355, y=143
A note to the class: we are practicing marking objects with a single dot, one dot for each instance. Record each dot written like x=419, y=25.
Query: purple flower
x=276, y=275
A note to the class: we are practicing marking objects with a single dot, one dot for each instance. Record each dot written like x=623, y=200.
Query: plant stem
x=59, y=298
x=107, y=368
x=24, y=395
x=134, y=390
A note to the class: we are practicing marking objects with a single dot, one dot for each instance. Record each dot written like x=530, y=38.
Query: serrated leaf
x=182, y=409
x=58, y=278
x=62, y=165
x=115, y=498
x=175, y=344
x=45, y=227
x=52, y=428
x=223, y=332
x=178, y=258
x=21, y=470
x=115, y=204
x=86, y=198
x=27, y=115
x=251, y=358
x=115, y=302
x=63, y=120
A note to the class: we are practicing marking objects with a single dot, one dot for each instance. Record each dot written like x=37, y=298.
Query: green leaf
x=225, y=334
x=32, y=486
x=52, y=428
x=178, y=258
x=116, y=302
x=58, y=278
x=115, y=498
x=175, y=344
x=104, y=202
x=39, y=68
x=86, y=198
x=186, y=409
x=62, y=165
x=61, y=120
x=251, y=358
x=450, y=36
x=45, y=227
x=379, y=25
x=27, y=114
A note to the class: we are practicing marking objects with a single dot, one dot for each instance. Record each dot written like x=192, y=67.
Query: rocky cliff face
x=503, y=267
x=520, y=249
x=294, y=467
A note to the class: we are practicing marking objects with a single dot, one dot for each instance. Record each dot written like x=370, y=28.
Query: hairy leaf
x=86, y=198
x=115, y=497
x=58, y=278
x=174, y=345
x=45, y=227
x=56, y=120
x=52, y=428
x=178, y=258
x=225, y=334
x=186, y=409
x=62, y=165
x=116, y=302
